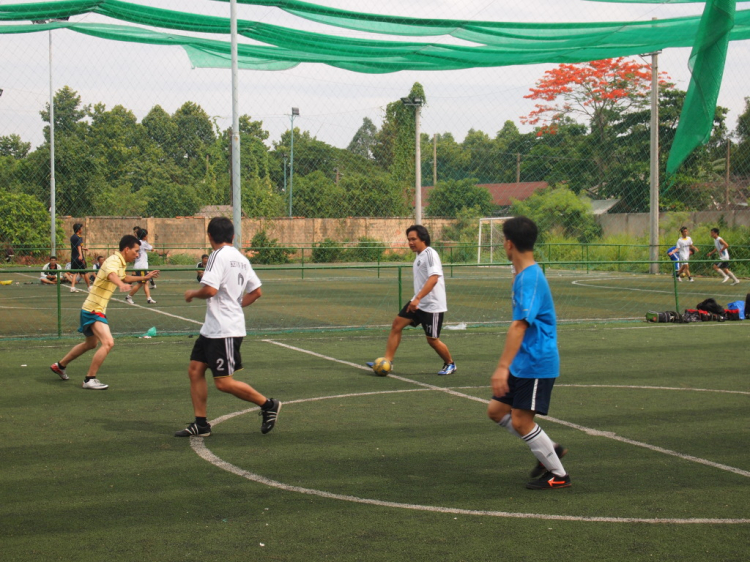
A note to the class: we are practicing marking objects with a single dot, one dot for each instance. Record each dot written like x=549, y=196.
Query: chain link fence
x=141, y=138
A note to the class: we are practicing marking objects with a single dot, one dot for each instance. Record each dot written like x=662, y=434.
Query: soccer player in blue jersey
x=523, y=380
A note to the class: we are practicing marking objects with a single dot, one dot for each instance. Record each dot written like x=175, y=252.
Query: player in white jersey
x=141, y=267
x=228, y=284
x=428, y=305
x=685, y=249
x=722, y=250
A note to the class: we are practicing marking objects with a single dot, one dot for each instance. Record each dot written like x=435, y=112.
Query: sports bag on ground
x=710, y=305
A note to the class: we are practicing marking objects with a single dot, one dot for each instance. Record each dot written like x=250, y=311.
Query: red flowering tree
x=599, y=90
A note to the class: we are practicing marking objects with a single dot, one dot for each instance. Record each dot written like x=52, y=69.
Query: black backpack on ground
x=710, y=305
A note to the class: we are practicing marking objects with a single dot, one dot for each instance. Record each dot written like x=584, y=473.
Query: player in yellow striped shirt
x=94, y=323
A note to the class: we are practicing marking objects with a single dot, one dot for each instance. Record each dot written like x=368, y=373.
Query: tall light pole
x=236, y=176
x=52, y=189
x=654, y=172
x=416, y=103
x=295, y=113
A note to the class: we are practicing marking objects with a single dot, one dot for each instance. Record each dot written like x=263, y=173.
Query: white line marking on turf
x=198, y=444
x=587, y=430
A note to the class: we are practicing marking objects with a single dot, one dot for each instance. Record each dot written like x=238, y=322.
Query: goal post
x=490, y=237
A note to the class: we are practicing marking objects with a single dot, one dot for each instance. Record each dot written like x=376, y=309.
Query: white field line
x=587, y=430
x=198, y=444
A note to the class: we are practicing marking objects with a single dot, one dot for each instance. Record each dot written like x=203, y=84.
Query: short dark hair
x=204, y=256
x=53, y=257
x=98, y=258
x=421, y=231
x=136, y=228
x=142, y=233
x=221, y=230
x=522, y=231
x=128, y=241
x=683, y=228
x=716, y=230
x=77, y=226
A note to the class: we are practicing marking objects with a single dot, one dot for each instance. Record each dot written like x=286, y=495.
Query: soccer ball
x=382, y=366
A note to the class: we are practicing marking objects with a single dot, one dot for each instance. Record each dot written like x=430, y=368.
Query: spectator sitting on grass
x=50, y=278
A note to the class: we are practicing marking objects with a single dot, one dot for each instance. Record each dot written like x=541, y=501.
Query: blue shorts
x=528, y=394
x=88, y=319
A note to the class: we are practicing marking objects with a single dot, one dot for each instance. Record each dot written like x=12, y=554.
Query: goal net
x=490, y=240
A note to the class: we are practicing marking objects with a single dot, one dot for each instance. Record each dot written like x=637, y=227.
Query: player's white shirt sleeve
x=45, y=269
x=230, y=273
x=141, y=261
x=427, y=264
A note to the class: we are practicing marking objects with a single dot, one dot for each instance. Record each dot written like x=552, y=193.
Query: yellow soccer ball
x=382, y=366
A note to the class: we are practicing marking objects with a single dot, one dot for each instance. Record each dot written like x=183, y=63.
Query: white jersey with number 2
x=230, y=273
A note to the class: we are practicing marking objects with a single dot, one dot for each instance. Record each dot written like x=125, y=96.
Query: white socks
x=544, y=450
x=540, y=444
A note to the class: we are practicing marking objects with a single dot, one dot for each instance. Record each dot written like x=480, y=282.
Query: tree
x=394, y=146
x=557, y=210
x=598, y=90
x=363, y=139
x=24, y=220
x=448, y=198
x=13, y=147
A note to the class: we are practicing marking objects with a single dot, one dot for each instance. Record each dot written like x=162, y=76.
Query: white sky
x=332, y=102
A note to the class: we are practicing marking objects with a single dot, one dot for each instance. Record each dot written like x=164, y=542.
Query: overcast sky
x=332, y=102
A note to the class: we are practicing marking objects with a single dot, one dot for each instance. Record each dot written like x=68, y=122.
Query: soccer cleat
x=725, y=279
x=194, y=430
x=129, y=299
x=94, y=384
x=448, y=369
x=736, y=282
x=370, y=364
x=59, y=371
x=269, y=416
x=540, y=469
x=150, y=301
x=549, y=481
x=691, y=280
x=72, y=289
x=679, y=279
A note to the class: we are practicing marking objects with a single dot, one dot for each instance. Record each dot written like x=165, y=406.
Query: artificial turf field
x=360, y=467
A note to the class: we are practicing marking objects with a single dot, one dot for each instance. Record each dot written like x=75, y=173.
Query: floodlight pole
x=295, y=113
x=52, y=188
x=416, y=103
x=236, y=178
x=654, y=173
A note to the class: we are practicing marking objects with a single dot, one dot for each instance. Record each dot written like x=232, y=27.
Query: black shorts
x=528, y=394
x=141, y=273
x=222, y=355
x=432, y=322
x=76, y=264
x=722, y=264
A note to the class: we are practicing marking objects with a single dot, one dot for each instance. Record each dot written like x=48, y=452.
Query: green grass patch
x=89, y=475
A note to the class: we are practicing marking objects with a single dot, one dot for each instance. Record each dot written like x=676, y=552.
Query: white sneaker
x=129, y=300
x=725, y=279
x=150, y=301
x=691, y=279
x=94, y=384
x=736, y=282
x=679, y=279
x=72, y=289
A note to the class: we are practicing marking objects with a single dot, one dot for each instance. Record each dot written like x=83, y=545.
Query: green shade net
x=493, y=43
x=707, y=67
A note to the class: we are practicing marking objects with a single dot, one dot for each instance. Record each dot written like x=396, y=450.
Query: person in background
x=97, y=265
x=685, y=249
x=141, y=268
x=721, y=248
x=201, y=266
x=51, y=279
x=77, y=259
x=136, y=230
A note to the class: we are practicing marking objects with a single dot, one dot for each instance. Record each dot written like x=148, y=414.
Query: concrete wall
x=187, y=235
x=636, y=224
